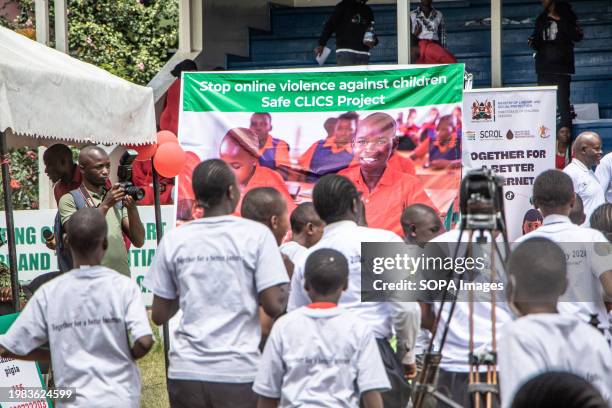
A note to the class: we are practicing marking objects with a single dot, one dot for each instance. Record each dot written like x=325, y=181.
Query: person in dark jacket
x=556, y=31
x=350, y=21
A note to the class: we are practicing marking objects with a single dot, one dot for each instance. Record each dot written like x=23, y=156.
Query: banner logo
x=483, y=111
x=509, y=135
x=491, y=135
x=543, y=132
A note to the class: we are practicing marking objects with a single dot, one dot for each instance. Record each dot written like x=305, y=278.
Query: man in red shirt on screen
x=385, y=191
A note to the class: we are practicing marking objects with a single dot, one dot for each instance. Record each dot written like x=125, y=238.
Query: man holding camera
x=119, y=208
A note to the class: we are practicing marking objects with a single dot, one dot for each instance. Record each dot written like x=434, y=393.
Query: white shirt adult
x=545, y=342
x=455, y=352
x=89, y=316
x=216, y=267
x=584, y=267
x=603, y=172
x=586, y=185
x=382, y=317
x=320, y=357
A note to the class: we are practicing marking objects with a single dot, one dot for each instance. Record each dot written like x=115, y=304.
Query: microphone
x=48, y=235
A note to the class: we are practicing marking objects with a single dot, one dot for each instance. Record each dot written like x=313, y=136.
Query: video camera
x=481, y=201
x=124, y=174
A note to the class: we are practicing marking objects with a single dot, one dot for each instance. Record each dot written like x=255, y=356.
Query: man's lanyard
x=88, y=198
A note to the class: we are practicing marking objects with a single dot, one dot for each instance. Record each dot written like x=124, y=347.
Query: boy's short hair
x=326, y=271
x=381, y=121
x=86, y=230
x=349, y=116
x=552, y=189
x=416, y=211
x=266, y=114
x=558, y=389
x=539, y=269
x=302, y=215
x=211, y=180
x=261, y=203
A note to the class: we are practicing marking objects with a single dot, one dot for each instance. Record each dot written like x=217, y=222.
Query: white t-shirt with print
x=89, y=316
x=584, y=266
x=217, y=267
x=320, y=358
x=545, y=342
x=383, y=318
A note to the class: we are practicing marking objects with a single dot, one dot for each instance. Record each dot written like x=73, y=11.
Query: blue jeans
x=344, y=58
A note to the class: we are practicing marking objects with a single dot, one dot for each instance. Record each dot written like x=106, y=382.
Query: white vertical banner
x=35, y=259
x=512, y=132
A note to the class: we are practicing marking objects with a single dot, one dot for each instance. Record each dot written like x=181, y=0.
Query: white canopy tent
x=47, y=97
x=46, y=94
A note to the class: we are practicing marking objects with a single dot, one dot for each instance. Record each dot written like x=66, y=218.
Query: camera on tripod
x=481, y=201
x=124, y=174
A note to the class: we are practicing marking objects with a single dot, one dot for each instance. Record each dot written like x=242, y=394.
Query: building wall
x=226, y=22
x=226, y=27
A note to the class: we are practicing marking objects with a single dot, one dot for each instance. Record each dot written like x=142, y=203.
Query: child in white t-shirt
x=321, y=355
x=267, y=206
x=306, y=230
x=218, y=269
x=542, y=340
x=93, y=319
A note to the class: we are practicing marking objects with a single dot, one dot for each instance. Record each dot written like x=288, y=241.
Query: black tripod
x=482, y=206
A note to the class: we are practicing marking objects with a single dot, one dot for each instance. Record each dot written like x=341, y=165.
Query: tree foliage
x=23, y=179
x=129, y=38
x=125, y=37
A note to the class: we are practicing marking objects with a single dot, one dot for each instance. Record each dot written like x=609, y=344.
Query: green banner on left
x=313, y=91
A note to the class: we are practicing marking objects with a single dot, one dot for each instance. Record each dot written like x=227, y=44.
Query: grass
x=153, y=376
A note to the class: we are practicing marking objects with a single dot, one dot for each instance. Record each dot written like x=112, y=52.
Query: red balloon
x=166, y=136
x=145, y=152
x=169, y=159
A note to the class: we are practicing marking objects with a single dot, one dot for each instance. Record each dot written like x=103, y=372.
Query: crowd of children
x=266, y=323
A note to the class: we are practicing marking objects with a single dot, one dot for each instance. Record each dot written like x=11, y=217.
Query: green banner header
x=310, y=91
